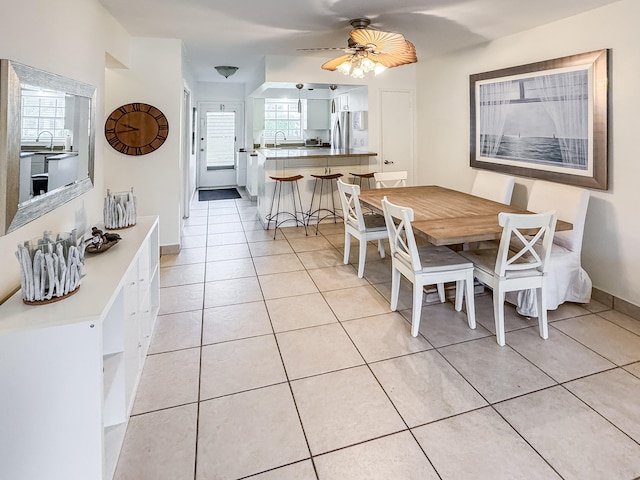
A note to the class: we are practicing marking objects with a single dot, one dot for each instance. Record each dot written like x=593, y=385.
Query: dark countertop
x=311, y=152
x=62, y=156
x=51, y=155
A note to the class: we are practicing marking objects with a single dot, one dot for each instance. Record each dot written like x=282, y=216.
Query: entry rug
x=218, y=194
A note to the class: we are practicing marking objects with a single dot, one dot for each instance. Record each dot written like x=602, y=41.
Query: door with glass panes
x=220, y=131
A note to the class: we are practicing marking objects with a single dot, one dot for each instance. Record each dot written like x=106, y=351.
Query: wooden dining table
x=445, y=216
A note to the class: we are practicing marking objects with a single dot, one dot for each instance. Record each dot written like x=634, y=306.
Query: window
x=43, y=111
x=221, y=138
x=282, y=115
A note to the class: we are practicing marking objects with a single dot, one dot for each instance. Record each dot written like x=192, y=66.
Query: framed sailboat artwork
x=546, y=120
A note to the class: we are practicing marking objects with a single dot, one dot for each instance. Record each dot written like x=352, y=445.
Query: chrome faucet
x=46, y=131
x=275, y=138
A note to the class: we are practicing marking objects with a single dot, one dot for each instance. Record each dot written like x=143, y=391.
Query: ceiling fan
x=370, y=50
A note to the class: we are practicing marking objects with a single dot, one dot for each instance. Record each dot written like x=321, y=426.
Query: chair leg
x=381, y=248
x=273, y=199
x=294, y=186
x=541, y=300
x=347, y=246
x=417, y=310
x=333, y=203
x=395, y=288
x=498, y=314
x=319, y=205
x=362, y=256
x=459, y=294
x=275, y=228
x=471, y=301
x=313, y=196
x=441, y=294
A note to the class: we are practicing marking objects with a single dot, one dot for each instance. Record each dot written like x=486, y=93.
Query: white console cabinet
x=69, y=370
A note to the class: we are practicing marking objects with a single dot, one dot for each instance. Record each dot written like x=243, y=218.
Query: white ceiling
x=241, y=32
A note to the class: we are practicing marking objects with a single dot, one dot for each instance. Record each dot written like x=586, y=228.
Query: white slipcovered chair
x=390, y=179
x=567, y=280
x=424, y=265
x=521, y=261
x=493, y=186
x=356, y=224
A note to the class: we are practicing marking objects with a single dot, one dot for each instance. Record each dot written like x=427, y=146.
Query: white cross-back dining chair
x=493, y=186
x=363, y=227
x=424, y=265
x=390, y=179
x=520, y=262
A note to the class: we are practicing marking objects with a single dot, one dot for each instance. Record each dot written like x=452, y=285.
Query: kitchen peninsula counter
x=311, y=152
x=306, y=161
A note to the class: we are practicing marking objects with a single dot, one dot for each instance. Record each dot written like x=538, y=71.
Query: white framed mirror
x=47, y=142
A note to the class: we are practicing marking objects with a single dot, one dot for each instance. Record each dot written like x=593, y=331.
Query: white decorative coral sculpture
x=119, y=210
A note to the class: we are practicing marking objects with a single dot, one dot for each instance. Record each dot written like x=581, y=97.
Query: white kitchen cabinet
x=342, y=102
x=252, y=176
x=69, y=370
x=38, y=163
x=318, y=114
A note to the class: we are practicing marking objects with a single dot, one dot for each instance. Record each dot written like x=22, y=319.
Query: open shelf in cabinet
x=114, y=408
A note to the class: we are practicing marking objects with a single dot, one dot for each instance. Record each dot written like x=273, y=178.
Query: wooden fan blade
x=395, y=60
x=333, y=64
x=382, y=42
x=343, y=49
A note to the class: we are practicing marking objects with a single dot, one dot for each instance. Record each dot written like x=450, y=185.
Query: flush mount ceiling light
x=371, y=51
x=226, y=71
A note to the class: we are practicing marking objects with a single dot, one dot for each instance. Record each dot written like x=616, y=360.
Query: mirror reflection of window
x=44, y=117
x=50, y=120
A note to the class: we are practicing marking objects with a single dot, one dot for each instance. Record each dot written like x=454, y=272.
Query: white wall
x=33, y=33
x=218, y=91
x=610, y=252
x=153, y=76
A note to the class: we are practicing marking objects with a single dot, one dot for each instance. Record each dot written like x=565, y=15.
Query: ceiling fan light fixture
x=367, y=64
x=378, y=69
x=225, y=70
x=372, y=51
x=358, y=64
x=345, y=67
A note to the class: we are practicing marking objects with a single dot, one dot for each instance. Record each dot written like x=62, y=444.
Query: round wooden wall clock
x=136, y=129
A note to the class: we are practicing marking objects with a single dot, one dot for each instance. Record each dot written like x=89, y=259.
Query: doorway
x=221, y=124
x=188, y=180
x=396, y=130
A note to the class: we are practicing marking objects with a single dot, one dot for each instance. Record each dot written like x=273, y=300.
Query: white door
x=220, y=125
x=397, y=133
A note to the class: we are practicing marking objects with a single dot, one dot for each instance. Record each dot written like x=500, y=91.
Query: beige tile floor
x=271, y=360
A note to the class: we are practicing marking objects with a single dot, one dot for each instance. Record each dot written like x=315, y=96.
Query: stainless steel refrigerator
x=341, y=130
